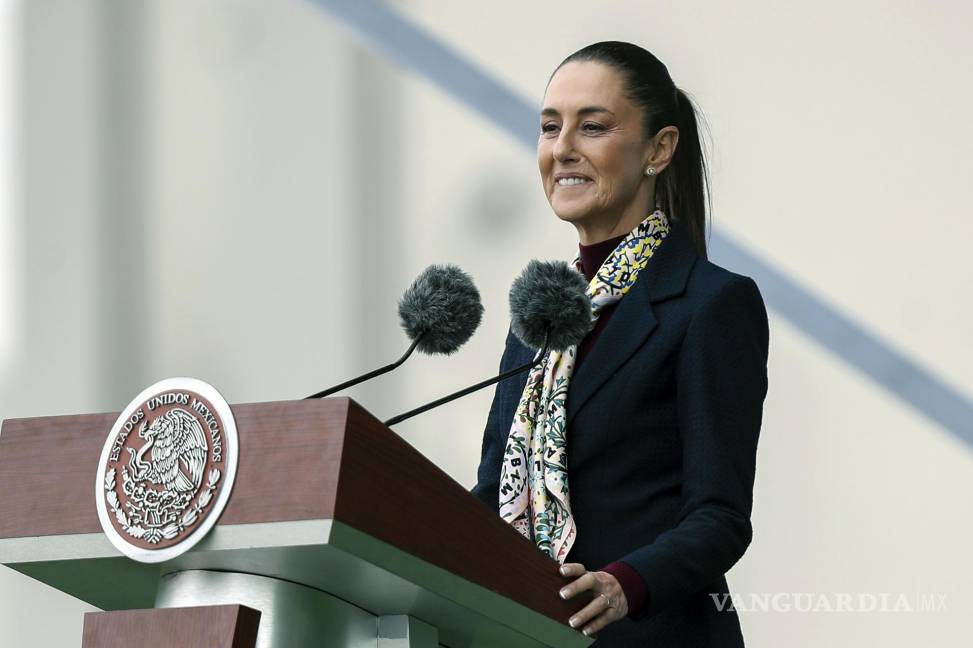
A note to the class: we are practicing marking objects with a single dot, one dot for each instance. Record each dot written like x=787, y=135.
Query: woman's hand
x=609, y=603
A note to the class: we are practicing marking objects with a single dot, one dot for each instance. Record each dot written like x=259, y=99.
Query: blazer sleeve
x=721, y=386
x=494, y=436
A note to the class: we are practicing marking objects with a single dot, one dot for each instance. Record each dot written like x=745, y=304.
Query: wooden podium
x=337, y=533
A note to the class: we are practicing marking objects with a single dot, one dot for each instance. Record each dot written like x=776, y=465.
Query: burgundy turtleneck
x=592, y=256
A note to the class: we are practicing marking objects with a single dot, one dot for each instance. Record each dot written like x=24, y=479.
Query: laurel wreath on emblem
x=154, y=535
x=162, y=478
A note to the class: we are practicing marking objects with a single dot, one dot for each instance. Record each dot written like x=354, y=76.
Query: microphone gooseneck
x=371, y=374
x=439, y=312
x=469, y=390
x=549, y=311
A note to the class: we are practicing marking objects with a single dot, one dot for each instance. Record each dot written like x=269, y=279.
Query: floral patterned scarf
x=534, y=478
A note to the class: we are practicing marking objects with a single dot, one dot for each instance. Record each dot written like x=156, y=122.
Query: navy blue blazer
x=663, y=418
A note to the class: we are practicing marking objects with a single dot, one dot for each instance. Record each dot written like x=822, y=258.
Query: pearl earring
x=650, y=171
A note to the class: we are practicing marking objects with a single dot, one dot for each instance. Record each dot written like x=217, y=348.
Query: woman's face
x=591, y=152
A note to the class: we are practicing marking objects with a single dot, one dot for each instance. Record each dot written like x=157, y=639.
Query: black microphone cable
x=440, y=311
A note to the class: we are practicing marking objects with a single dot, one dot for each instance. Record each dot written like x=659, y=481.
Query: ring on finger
x=607, y=599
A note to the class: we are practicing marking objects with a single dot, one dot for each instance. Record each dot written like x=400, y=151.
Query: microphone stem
x=469, y=390
x=370, y=374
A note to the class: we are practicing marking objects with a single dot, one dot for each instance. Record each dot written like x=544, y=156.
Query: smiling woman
x=655, y=415
x=609, y=113
x=591, y=152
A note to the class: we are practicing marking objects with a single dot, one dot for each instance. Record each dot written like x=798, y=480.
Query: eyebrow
x=587, y=110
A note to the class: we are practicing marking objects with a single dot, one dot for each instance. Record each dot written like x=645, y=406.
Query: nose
x=564, y=147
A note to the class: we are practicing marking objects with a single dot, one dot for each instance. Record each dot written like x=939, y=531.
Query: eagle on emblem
x=177, y=452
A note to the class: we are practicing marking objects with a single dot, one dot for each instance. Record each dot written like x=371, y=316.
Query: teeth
x=570, y=181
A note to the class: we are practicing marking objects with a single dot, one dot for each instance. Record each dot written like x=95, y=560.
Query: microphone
x=549, y=310
x=439, y=312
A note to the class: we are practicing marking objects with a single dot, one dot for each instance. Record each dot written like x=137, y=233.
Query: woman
x=630, y=460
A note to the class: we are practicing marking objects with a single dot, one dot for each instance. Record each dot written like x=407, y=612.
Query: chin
x=571, y=214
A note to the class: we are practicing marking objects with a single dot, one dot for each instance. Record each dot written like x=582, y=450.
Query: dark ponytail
x=682, y=189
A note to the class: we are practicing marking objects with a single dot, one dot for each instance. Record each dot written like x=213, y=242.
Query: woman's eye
x=548, y=127
x=591, y=127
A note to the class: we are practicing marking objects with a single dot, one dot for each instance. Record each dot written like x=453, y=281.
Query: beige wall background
x=196, y=189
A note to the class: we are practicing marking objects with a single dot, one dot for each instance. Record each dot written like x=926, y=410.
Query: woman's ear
x=662, y=148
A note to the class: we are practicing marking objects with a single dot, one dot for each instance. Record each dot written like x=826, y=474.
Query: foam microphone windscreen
x=443, y=305
x=548, y=300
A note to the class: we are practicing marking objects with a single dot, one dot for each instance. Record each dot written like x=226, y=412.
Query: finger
x=572, y=569
x=588, y=612
x=598, y=623
x=608, y=615
x=586, y=582
x=611, y=588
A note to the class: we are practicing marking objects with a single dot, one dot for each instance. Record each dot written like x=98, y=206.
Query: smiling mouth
x=571, y=182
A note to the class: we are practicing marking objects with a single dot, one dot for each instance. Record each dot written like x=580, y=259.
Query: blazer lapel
x=633, y=321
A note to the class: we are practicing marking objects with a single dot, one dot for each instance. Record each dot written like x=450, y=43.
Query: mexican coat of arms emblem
x=167, y=469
